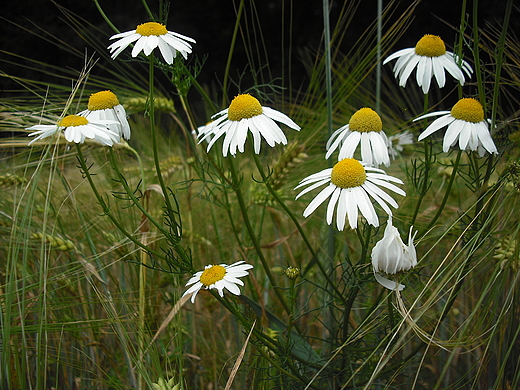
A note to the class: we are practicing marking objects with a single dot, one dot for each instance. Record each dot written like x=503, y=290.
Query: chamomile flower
x=396, y=142
x=466, y=124
x=431, y=59
x=364, y=127
x=218, y=277
x=350, y=186
x=147, y=37
x=245, y=114
x=105, y=105
x=78, y=129
x=390, y=255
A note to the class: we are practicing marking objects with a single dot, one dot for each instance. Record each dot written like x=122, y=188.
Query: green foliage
x=98, y=242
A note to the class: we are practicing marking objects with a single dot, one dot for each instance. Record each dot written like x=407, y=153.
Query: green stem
x=230, y=54
x=104, y=16
x=106, y=209
x=252, y=234
x=153, y=130
x=447, y=192
x=147, y=8
x=314, y=255
x=428, y=151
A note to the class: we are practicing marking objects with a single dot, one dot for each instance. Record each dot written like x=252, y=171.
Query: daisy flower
x=148, y=36
x=364, y=127
x=350, y=186
x=390, y=255
x=246, y=114
x=430, y=58
x=396, y=142
x=105, y=105
x=466, y=124
x=77, y=129
x=218, y=277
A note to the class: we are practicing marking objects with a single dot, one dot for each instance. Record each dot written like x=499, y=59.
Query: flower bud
x=390, y=255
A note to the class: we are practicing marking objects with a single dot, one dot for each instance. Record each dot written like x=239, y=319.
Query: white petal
x=389, y=284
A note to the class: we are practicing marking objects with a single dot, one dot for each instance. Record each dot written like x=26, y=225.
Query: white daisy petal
x=465, y=126
x=149, y=36
x=244, y=115
x=430, y=60
x=218, y=277
x=347, y=196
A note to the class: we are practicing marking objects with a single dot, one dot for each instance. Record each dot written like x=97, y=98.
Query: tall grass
x=98, y=243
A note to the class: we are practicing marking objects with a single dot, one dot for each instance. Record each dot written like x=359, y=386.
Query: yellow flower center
x=244, y=106
x=365, y=120
x=348, y=173
x=430, y=46
x=73, y=120
x=212, y=275
x=102, y=100
x=469, y=110
x=151, y=28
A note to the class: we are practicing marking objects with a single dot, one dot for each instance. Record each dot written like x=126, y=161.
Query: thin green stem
x=447, y=192
x=282, y=204
x=230, y=54
x=425, y=183
x=104, y=16
x=252, y=234
x=106, y=209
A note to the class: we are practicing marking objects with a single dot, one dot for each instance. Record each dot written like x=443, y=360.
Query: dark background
x=211, y=23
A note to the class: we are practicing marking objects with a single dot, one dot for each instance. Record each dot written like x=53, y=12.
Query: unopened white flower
x=77, y=129
x=147, y=37
x=365, y=127
x=350, y=186
x=431, y=59
x=218, y=277
x=244, y=115
x=105, y=105
x=390, y=255
x=466, y=124
x=396, y=142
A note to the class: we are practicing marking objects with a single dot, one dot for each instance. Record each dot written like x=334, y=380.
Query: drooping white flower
x=218, y=277
x=147, y=37
x=244, y=115
x=350, y=186
x=78, y=129
x=105, y=105
x=466, y=124
x=390, y=255
x=431, y=59
x=365, y=127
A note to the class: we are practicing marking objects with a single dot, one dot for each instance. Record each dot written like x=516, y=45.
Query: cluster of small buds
x=264, y=197
x=56, y=243
x=504, y=251
x=162, y=384
x=140, y=104
x=514, y=170
x=10, y=179
x=292, y=272
x=292, y=156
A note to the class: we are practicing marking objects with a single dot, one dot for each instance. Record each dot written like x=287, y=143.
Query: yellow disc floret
x=102, y=100
x=73, y=120
x=348, y=173
x=212, y=275
x=365, y=120
x=151, y=28
x=244, y=106
x=430, y=46
x=469, y=110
